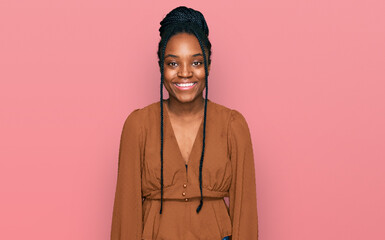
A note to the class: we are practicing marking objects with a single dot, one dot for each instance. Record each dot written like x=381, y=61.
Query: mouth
x=185, y=86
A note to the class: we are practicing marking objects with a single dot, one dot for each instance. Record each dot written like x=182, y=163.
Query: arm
x=127, y=210
x=242, y=194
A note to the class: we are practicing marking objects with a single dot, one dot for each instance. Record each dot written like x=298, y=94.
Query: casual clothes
x=228, y=171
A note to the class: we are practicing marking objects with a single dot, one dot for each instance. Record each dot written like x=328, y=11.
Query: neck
x=186, y=110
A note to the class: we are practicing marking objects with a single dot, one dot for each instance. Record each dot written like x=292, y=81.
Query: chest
x=184, y=144
x=185, y=135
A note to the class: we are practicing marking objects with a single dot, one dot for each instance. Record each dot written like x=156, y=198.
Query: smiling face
x=184, y=71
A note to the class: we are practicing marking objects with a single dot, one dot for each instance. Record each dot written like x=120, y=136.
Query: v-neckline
x=197, y=136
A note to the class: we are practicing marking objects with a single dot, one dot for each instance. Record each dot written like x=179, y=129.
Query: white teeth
x=184, y=84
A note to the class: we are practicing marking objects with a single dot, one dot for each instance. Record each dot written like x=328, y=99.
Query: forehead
x=183, y=44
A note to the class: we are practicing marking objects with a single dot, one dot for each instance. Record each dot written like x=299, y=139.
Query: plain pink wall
x=308, y=76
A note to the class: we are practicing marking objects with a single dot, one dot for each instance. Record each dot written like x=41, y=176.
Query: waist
x=192, y=199
x=183, y=191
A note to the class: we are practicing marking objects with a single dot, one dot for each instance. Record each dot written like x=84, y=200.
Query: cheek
x=200, y=73
x=168, y=74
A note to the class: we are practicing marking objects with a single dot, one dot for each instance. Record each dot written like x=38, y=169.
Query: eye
x=197, y=63
x=171, y=64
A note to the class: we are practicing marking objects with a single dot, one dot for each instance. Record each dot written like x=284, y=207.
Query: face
x=184, y=70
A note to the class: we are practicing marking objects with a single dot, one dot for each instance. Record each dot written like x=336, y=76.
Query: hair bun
x=184, y=15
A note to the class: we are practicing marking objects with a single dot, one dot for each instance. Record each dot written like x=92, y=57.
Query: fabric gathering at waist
x=180, y=192
x=193, y=199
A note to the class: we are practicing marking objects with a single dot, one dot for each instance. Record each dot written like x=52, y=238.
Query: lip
x=186, y=88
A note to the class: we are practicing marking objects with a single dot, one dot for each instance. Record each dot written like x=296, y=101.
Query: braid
x=204, y=123
x=161, y=122
x=183, y=19
x=161, y=135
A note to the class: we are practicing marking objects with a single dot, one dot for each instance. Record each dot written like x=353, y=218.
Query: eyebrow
x=175, y=56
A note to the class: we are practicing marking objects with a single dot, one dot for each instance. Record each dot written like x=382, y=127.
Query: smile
x=185, y=86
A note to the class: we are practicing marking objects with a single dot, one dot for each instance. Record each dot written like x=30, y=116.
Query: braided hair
x=183, y=20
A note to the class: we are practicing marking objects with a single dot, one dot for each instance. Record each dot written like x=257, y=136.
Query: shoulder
x=142, y=116
x=238, y=126
x=232, y=116
x=139, y=114
x=238, y=118
x=235, y=120
x=218, y=112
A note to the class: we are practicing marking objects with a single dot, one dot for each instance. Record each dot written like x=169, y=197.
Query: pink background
x=308, y=76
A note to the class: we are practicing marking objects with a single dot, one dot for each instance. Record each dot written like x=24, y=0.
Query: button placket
x=184, y=193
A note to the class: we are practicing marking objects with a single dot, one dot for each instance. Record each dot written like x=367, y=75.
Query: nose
x=185, y=70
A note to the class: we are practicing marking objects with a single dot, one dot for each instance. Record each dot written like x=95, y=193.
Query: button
x=183, y=193
x=186, y=199
x=184, y=185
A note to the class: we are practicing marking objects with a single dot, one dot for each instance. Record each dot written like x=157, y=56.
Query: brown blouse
x=228, y=171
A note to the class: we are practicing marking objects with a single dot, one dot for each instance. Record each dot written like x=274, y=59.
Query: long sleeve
x=127, y=210
x=242, y=194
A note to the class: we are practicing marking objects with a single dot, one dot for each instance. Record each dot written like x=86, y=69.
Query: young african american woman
x=181, y=156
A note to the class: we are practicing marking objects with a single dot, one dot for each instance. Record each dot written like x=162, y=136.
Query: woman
x=173, y=176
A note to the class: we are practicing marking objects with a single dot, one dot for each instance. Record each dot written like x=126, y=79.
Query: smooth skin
x=184, y=63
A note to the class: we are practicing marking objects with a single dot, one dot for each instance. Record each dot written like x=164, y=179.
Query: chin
x=185, y=99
